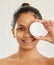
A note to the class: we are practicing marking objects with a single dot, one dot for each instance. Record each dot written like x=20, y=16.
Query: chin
x=27, y=47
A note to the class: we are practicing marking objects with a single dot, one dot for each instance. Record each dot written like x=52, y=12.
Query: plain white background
x=8, y=44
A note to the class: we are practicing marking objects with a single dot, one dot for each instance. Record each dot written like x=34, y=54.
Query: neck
x=28, y=53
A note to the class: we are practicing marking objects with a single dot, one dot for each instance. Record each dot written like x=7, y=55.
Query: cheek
x=18, y=35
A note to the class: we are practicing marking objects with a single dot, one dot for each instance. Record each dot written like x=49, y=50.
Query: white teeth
x=27, y=41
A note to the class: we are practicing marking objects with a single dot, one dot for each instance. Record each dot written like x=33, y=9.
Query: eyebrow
x=20, y=25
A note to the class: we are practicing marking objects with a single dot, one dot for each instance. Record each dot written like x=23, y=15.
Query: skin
x=28, y=54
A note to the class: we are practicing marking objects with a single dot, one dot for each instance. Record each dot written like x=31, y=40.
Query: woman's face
x=21, y=31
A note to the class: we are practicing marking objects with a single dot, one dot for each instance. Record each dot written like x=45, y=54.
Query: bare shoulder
x=8, y=60
x=3, y=61
x=51, y=61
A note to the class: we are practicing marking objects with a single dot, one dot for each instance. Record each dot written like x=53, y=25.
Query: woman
x=28, y=54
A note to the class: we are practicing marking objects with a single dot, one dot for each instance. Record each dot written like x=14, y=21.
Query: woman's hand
x=49, y=25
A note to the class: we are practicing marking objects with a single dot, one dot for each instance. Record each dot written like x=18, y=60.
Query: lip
x=28, y=41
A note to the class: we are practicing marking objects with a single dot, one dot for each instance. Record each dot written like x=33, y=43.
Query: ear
x=12, y=30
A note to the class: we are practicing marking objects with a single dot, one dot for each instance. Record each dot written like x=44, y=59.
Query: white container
x=37, y=29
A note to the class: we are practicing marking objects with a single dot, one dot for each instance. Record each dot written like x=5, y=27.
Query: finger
x=46, y=21
x=41, y=38
x=52, y=21
x=48, y=25
x=43, y=21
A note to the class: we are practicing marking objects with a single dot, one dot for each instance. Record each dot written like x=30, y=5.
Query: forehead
x=26, y=19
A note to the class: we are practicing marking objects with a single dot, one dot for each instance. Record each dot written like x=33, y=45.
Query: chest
x=27, y=63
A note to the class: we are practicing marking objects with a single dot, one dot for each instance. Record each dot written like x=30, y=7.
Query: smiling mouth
x=28, y=41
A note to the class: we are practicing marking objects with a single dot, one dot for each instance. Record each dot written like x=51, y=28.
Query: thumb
x=42, y=38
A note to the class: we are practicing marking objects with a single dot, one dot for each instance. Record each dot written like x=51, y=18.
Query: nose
x=27, y=34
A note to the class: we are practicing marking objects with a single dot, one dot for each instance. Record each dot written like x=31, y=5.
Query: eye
x=20, y=29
